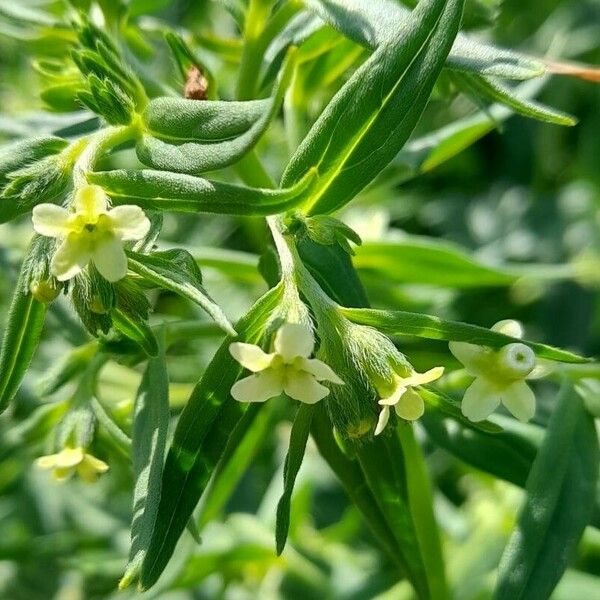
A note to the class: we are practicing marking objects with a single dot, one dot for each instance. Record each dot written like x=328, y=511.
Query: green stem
x=99, y=144
x=252, y=52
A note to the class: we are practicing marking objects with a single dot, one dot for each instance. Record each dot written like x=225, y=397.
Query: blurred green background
x=509, y=228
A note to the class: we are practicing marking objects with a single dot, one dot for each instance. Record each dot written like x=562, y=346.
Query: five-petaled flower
x=288, y=369
x=90, y=232
x=71, y=460
x=499, y=376
x=406, y=401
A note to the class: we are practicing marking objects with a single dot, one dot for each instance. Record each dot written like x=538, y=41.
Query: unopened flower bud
x=44, y=291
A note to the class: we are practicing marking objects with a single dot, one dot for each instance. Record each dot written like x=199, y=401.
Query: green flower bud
x=44, y=291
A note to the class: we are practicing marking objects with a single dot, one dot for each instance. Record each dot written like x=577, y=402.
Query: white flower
x=406, y=401
x=70, y=460
x=289, y=369
x=91, y=232
x=499, y=376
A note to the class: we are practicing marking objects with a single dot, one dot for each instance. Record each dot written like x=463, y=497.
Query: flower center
x=516, y=361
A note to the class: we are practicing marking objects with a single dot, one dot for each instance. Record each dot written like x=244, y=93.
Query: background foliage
x=509, y=227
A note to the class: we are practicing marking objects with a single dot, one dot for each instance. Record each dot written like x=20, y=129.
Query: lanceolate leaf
x=193, y=157
x=21, y=337
x=416, y=260
x=371, y=23
x=496, y=92
x=382, y=462
x=135, y=329
x=397, y=322
x=176, y=270
x=242, y=445
x=20, y=154
x=332, y=267
x=560, y=494
x=353, y=480
x=374, y=113
x=202, y=434
x=293, y=462
x=178, y=120
x=507, y=454
x=186, y=193
x=150, y=425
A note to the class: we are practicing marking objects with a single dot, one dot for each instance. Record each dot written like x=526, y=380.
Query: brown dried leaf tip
x=196, y=84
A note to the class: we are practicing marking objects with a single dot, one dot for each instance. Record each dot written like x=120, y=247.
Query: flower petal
x=110, y=258
x=422, y=378
x=411, y=406
x=319, y=370
x=302, y=386
x=509, y=327
x=251, y=357
x=70, y=257
x=90, y=201
x=69, y=457
x=294, y=339
x=90, y=468
x=394, y=397
x=480, y=400
x=61, y=474
x=46, y=462
x=476, y=359
x=384, y=417
x=50, y=220
x=519, y=399
x=258, y=388
x=129, y=222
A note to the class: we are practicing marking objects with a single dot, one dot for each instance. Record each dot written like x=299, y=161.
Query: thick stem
x=99, y=144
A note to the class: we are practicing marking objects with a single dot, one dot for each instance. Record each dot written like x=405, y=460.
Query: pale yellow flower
x=91, y=232
x=499, y=376
x=406, y=401
x=70, y=460
x=288, y=369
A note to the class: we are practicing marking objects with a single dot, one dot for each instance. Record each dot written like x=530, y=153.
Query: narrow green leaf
x=420, y=501
x=371, y=23
x=433, y=149
x=397, y=322
x=293, y=462
x=348, y=471
x=244, y=441
x=18, y=155
x=194, y=158
x=506, y=454
x=371, y=117
x=178, y=192
x=560, y=495
x=417, y=260
x=201, y=436
x=178, y=120
x=135, y=329
x=21, y=337
x=332, y=267
x=150, y=426
x=176, y=270
x=383, y=464
x=496, y=92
